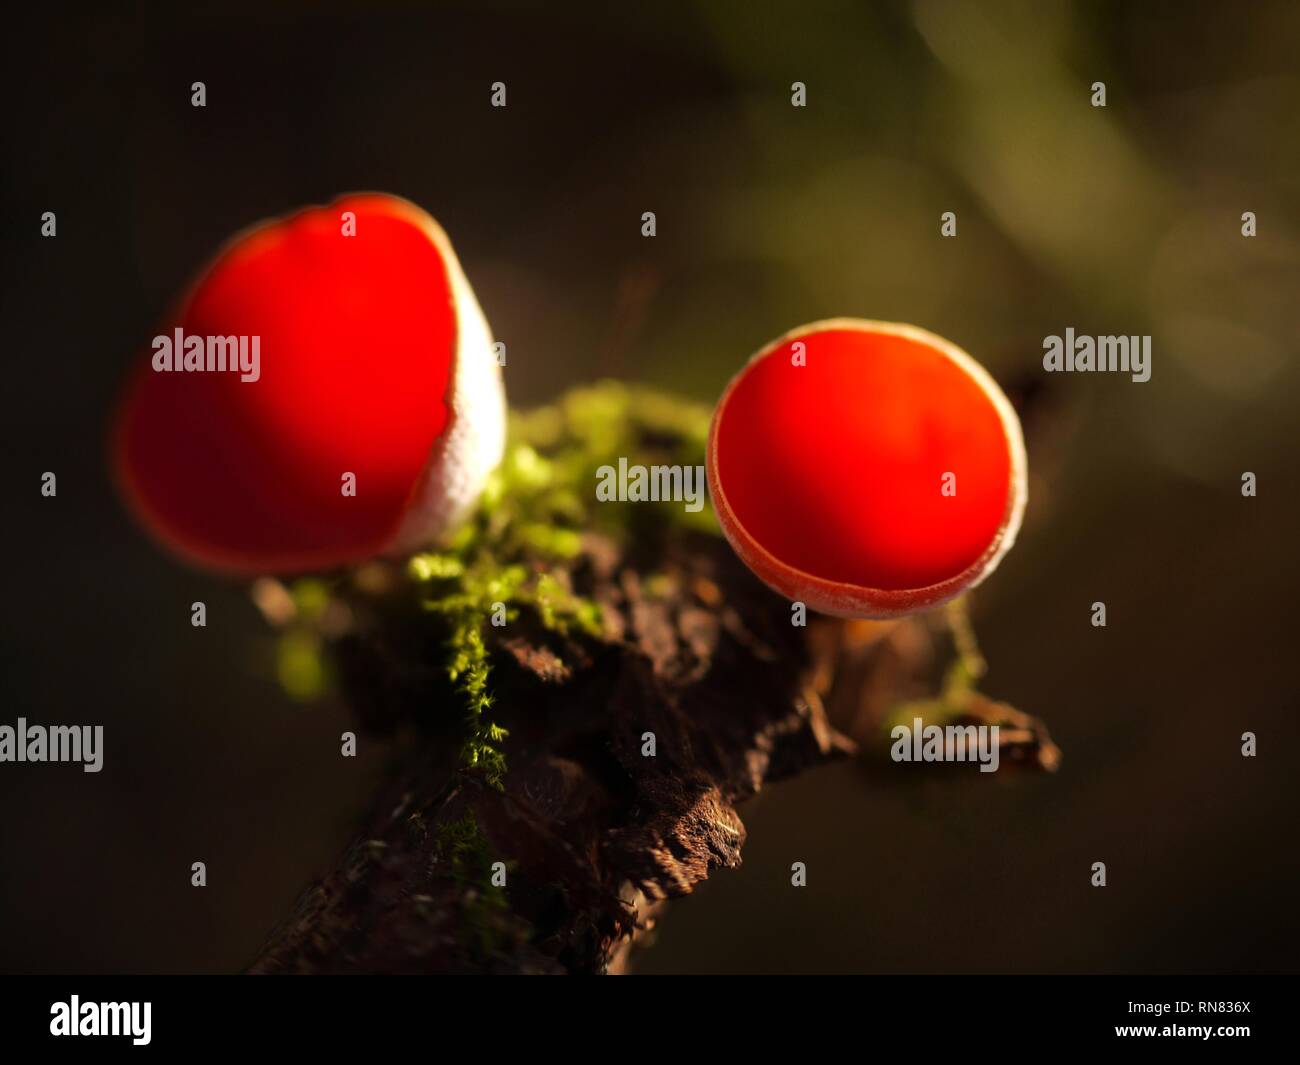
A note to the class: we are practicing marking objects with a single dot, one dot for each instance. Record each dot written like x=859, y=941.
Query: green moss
x=531, y=519
x=462, y=846
x=310, y=597
x=300, y=666
x=511, y=554
x=461, y=852
x=952, y=701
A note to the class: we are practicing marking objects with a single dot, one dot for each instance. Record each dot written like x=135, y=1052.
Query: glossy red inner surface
x=357, y=337
x=836, y=467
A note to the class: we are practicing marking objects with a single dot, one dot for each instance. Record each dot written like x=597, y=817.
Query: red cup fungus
x=867, y=469
x=340, y=341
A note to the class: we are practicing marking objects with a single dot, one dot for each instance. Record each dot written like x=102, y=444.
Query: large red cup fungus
x=867, y=469
x=365, y=356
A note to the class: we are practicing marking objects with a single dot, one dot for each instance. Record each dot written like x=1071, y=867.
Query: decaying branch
x=648, y=683
x=592, y=832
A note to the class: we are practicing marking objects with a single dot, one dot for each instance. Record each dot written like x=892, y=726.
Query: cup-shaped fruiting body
x=325, y=392
x=866, y=469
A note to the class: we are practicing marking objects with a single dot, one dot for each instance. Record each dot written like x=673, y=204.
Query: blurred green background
x=1117, y=220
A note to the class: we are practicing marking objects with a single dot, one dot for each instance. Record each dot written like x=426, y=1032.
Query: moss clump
x=301, y=666
x=461, y=852
x=531, y=520
x=953, y=700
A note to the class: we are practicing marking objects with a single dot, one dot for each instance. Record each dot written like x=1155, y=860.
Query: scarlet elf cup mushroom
x=867, y=469
x=325, y=392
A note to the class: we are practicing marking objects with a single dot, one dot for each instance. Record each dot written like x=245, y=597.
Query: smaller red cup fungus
x=866, y=469
x=325, y=392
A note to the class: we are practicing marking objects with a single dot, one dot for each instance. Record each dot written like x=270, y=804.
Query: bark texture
x=593, y=832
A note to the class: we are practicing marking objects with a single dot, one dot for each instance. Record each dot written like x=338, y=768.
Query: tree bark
x=631, y=747
x=593, y=830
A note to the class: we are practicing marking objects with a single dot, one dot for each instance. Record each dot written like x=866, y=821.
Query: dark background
x=1117, y=220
